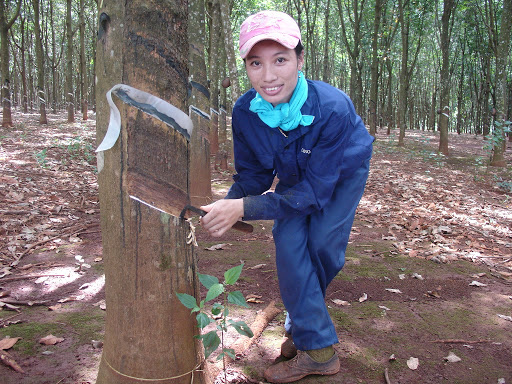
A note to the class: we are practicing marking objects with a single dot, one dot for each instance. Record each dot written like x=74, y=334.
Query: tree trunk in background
x=356, y=65
x=5, y=25
x=375, y=69
x=229, y=50
x=390, y=110
x=199, y=101
x=403, y=9
x=53, y=61
x=325, y=72
x=498, y=152
x=69, y=65
x=215, y=32
x=24, y=93
x=39, y=64
x=221, y=159
x=460, y=91
x=149, y=334
x=83, y=71
x=445, y=111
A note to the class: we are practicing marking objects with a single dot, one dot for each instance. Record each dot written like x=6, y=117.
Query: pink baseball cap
x=268, y=25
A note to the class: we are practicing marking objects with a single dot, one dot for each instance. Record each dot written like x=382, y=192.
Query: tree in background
x=39, y=64
x=447, y=21
x=69, y=64
x=199, y=101
x=502, y=55
x=6, y=22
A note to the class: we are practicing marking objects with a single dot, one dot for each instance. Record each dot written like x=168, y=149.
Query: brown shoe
x=288, y=348
x=301, y=366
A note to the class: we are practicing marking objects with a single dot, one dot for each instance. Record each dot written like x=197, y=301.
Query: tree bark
x=375, y=69
x=215, y=32
x=229, y=49
x=354, y=51
x=83, y=71
x=199, y=100
x=445, y=109
x=325, y=71
x=498, y=152
x=403, y=9
x=69, y=65
x=40, y=64
x=149, y=334
x=6, y=24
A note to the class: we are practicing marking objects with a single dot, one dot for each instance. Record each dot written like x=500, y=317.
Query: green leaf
x=230, y=352
x=241, y=328
x=202, y=320
x=217, y=309
x=187, y=300
x=214, y=291
x=237, y=298
x=208, y=280
x=231, y=275
x=211, y=342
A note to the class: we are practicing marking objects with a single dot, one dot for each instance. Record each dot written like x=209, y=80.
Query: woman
x=308, y=135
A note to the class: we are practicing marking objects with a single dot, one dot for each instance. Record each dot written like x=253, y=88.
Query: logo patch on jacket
x=306, y=151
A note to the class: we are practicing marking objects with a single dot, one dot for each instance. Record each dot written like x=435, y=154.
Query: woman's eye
x=281, y=60
x=255, y=63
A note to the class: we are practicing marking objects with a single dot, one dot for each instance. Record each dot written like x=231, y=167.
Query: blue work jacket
x=308, y=161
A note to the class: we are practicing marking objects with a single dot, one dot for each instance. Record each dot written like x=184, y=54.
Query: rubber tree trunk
x=83, y=70
x=199, y=100
x=498, y=152
x=214, y=57
x=69, y=65
x=375, y=70
x=149, y=335
x=40, y=65
x=446, y=27
x=5, y=25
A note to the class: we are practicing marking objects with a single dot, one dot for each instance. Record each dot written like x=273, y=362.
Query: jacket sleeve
x=251, y=177
x=343, y=146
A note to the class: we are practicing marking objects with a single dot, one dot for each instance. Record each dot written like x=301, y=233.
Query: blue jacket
x=309, y=162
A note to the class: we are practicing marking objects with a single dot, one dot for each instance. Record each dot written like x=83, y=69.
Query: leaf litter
x=432, y=213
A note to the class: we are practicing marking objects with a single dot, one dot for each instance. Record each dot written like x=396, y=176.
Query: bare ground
x=428, y=271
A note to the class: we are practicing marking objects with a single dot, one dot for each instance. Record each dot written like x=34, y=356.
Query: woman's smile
x=273, y=71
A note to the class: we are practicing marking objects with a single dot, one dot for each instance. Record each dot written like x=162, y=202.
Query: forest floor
x=425, y=296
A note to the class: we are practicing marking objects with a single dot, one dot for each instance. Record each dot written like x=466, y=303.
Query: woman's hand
x=222, y=215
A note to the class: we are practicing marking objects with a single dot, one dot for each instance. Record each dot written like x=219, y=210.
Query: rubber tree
x=149, y=334
x=502, y=54
x=199, y=100
x=40, y=64
x=6, y=22
x=447, y=21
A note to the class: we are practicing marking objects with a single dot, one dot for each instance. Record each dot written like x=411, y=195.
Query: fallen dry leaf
x=363, y=298
x=475, y=283
x=217, y=247
x=393, y=290
x=413, y=363
x=509, y=318
x=51, y=340
x=259, y=266
x=254, y=300
x=340, y=302
x=8, y=342
x=452, y=358
x=55, y=307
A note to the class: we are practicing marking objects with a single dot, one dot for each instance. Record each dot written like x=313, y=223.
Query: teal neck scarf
x=286, y=116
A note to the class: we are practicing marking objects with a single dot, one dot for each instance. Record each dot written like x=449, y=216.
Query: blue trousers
x=310, y=251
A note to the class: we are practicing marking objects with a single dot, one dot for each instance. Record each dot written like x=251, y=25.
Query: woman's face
x=273, y=70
